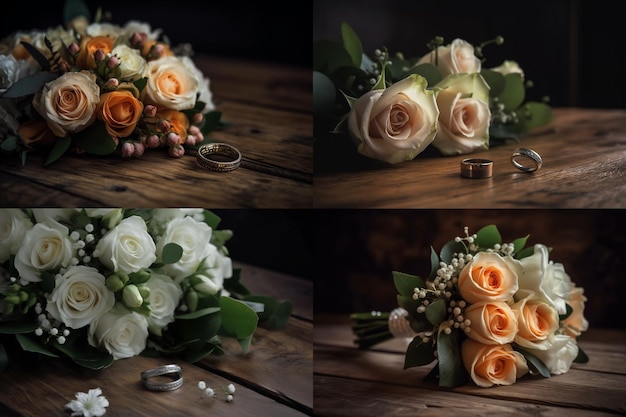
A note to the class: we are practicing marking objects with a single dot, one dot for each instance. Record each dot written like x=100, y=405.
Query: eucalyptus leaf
x=172, y=252
x=95, y=140
x=495, y=80
x=352, y=44
x=488, y=236
x=29, y=345
x=30, y=84
x=9, y=144
x=526, y=252
x=429, y=71
x=534, y=114
x=239, y=321
x=245, y=343
x=519, y=244
x=436, y=312
x=329, y=55
x=452, y=373
x=406, y=283
x=434, y=263
x=449, y=249
x=324, y=94
x=211, y=219
x=418, y=353
x=197, y=354
x=514, y=92
x=58, y=150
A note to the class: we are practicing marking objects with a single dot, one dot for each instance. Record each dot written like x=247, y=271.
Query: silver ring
x=172, y=371
x=526, y=154
x=219, y=157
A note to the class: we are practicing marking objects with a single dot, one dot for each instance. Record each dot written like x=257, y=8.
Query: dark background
x=570, y=49
x=357, y=250
x=265, y=31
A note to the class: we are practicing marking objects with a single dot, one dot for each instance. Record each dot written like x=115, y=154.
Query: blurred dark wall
x=570, y=49
x=357, y=250
x=265, y=31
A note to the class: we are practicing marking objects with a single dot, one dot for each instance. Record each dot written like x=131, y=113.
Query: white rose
x=132, y=64
x=14, y=224
x=128, y=247
x=164, y=298
x=545, y=277
x=560, y=356
x=13, y=70
x=394, y=124
x=204, y=89
x=455, y=58
x=80, y=297
x=142, y=27
x=162, y=216
x=111, y=217
x=121, y=332
x=104, y=29
x=45, y=248
x=170, y=84
x=463, y=101
x=509, y=67
x=218, y=266
x=194, y=237
x=77, y=110
x=576, y=323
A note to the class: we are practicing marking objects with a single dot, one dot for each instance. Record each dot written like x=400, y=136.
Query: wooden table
x=269, y=112
x=352, y=382
x=584, y=154
x=275, y=378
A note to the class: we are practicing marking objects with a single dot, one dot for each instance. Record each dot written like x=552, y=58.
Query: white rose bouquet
x=98, y=285
x=476, y=107
x=489, y=312
x=101, y=88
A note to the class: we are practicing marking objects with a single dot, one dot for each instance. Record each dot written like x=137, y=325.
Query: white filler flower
x=92, y=404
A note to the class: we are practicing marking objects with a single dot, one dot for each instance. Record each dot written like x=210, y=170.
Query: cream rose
x=394, y=124
x=164, y=297
x=194, y=237
x=128, y=247
x=204, y=89
x=14, y=224
x=490, y=365
x=464, y=114
x=455, y=58
x=132, y=64
x=489, y=277
x=509, y=67
x=492, y=322
x=79, y=297
x=69, y=102
x=576, y=323
x=122, y=333
x=537, y=321
x=45, y=248
x=170, y=84
x=545, y=277
x=558, y=358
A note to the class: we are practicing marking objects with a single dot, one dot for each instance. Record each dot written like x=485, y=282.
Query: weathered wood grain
x=584, y=154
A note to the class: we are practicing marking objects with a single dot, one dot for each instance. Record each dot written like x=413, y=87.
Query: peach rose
x=492, y=322
x=576, y=323
x=537, y=321
x=178, y=121
x=489, y=276
x=69, y=102
x=120, y=111
x=89, y=45
x=36, y=134
x=454, y=58
x=490, y=365
x=394, y=124
x=170, y=84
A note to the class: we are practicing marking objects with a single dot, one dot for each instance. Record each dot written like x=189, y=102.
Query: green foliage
x=533, y=362
x=451, y=370
x=487, y=237
x=95, y=140
x=352, y=43
x=172, y=253
x=405, y=283
x=418, y=353
x=29, y=85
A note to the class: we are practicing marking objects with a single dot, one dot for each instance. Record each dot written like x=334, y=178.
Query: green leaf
x=495, y=80
x=16, y=327
x=172, y=252
x=197, y=354
x=58, y=150
x=434, y=263
x=239, y=321
x=428, y=71
x=275, y=314
x=95, y=140
x=75, y=8
x=568, y=311
x=519, y=243
x=449, y=249
x=581, y=357
x=352, y=44
x=198, y=313
x=141, y=83
x=211, y=219
x=245, y=343
x=452, y=373
x=41, y=59
x=9, y=144
x=534, y=114
x=212, y=120
x=234, y=286
x=514, y=92
x=330, y=55
x=406, y=283
x=324, y=94
x=534, y=362
x=196, y=328
x=29, y=345
x=436, y=312
x=418, y=353
x=487, y=237
x=48, y=281
x=30, y=84
x=529, y=251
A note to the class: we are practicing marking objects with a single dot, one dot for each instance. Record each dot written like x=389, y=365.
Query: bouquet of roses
x=489, y=311
x=97, y=285
x=394, y=107
x=100, y=88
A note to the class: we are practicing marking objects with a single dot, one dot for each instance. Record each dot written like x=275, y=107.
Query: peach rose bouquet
x=489, y=312
x=101, y=88
x=476, y=106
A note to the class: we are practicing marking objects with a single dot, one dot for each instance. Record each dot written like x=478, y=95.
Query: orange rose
x=89, y=45
x=492, y=322
x=120, y=111
x=537, y=322
x=178, y=121
x=576, y=323
x=36, y=134
x=489, y=276
x=490, y=365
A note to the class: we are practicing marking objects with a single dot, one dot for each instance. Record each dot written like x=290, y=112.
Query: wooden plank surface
x=584, y=155
x=268, y=111
x=275, y=378
x=349, y=381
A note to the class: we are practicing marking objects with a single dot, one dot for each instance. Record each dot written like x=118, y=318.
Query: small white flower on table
x=91, y=404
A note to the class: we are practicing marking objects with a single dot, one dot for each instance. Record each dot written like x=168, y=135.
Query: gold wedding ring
x=526, y=155
x=219, y=157
x=476, y=168
x=171, y=371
